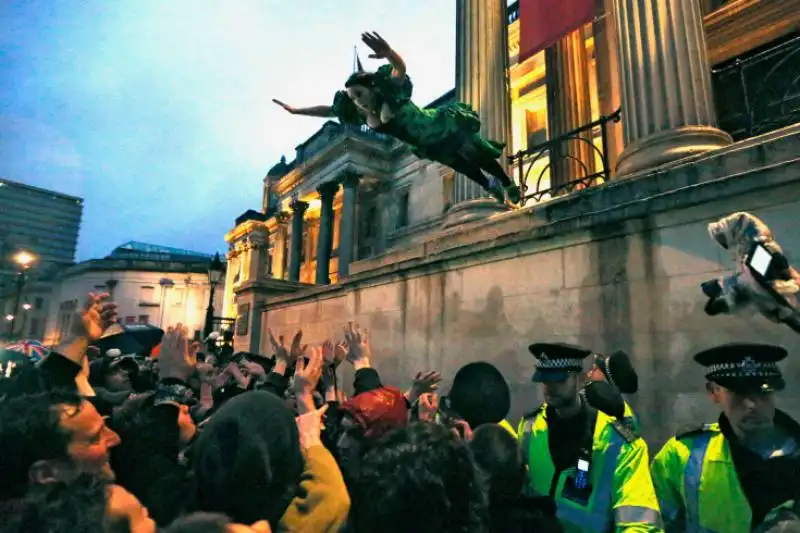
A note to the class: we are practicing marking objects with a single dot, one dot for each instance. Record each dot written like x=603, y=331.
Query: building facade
x=151, y=284
x=44, y=222
x=627, y=138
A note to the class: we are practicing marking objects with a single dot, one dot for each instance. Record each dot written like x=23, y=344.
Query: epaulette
x=692, y=430
x=536, y=412
x=627, y=433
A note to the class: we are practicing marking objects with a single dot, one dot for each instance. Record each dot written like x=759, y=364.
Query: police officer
x=728, y=476
x=594, y=467
x=617, y=370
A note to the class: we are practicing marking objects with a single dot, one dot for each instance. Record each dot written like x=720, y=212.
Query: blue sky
x=158, y=112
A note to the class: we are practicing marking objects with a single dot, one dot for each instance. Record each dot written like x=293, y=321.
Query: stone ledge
x=687, y=183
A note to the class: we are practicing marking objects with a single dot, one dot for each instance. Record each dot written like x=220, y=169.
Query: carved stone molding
x=745, y=25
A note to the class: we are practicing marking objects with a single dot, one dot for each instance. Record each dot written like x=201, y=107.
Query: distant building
x=44, y=222
x=151, y=284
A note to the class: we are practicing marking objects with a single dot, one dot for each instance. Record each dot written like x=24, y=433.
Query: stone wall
x=617, y=267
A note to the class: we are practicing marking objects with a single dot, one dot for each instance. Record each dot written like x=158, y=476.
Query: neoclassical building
x=652, y=101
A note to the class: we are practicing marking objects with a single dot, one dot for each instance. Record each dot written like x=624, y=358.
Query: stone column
x=298, y=210
x=568, y=107
x=667, y=104
x=608, y=83
x=325, y=241
x=347, y=223
x=481, y=79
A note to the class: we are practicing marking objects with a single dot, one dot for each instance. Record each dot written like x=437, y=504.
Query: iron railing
x=524, y=161
x=759, y=92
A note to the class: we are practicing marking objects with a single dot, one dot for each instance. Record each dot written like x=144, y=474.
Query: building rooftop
x=154, y=252
x=54, y=194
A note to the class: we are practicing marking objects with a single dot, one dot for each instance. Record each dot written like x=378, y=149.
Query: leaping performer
x=449, y=135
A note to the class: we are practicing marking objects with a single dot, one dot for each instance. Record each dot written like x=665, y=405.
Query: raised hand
x=423, y=384
x=309, y=426
x=97, y=315
x=379, y=46
x=287, y=107
x=288, y=356
x=306, y=378
x=328, y=355
x=428, y=407
x=340, y=353
x=177, y=359
x=358, y=349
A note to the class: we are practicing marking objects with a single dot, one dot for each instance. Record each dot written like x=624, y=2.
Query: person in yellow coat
x=726, y=477
x=617, y=370
x=593, y=465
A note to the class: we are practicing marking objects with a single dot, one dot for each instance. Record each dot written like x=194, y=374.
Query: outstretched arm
x=323, y=111
x=382, y=50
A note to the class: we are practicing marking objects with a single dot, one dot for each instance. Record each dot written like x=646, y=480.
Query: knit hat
x=247, y=459
x=479, y=394
x=378, y=411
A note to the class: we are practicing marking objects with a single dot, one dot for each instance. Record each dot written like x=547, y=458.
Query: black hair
x=79, y=506
x=500, y=458
x=30, y=431
x=419, y=478
x=364, y=79
x=200, y=523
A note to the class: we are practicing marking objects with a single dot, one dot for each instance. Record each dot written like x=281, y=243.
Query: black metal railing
x=557, y=150
x=759, y=92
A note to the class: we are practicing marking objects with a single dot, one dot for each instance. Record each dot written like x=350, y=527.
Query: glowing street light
x=26, y=306
x=24, y=259
x=9, y=318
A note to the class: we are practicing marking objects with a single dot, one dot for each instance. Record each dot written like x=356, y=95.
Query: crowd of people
x=196, y=438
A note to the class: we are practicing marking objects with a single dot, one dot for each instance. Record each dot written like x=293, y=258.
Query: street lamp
x=215, y=270
x=165, y=283
x=24, y=260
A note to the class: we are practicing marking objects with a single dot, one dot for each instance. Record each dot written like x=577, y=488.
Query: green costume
x=435, y=134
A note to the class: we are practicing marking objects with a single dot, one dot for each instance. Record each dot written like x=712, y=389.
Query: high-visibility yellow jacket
x=697, y=484
x=632, y=419
x=505, y=425
x=622, y=498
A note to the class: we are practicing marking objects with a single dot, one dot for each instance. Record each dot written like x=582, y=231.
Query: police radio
x=578, y=487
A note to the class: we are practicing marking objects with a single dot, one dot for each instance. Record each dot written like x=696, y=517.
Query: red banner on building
x=543, y=22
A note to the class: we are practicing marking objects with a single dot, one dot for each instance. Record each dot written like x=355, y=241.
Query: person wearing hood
x=253, y=461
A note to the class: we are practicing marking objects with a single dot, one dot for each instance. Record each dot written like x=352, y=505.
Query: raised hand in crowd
x=358, y=348
x=178, y=358
x=428, y=406
x=309, y=426
x=328, y=353
x=423, y=383
x=285, y=358
x=329, y=369
x=97, y=315
x=339, y=353
x=306, y=378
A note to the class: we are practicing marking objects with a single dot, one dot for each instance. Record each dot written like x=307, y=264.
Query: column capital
x=349, y=179
x=298, y=206
x=328, y=189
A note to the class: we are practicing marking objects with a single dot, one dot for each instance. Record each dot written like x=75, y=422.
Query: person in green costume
x=449, y=134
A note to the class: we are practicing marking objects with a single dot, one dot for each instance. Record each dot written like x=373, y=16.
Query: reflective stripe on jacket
x=622, y=498
x=697, y=485
x=505, y=425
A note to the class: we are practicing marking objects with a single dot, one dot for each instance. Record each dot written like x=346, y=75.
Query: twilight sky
x=158, y=113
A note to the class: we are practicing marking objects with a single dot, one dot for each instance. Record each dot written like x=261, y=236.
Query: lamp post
x=215, y=270
x=165, y=283
x=24, y=261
